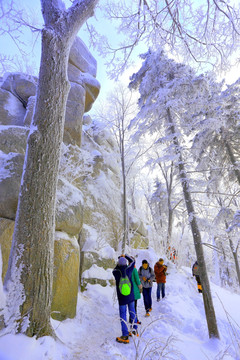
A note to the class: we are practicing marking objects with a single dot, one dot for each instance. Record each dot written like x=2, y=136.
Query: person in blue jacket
x=121, y=270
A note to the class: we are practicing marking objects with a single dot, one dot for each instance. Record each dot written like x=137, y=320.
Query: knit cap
x=122, y=261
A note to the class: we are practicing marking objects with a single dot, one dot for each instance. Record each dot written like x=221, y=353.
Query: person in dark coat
x=160, y=275
x=195, y=272
x=146, y=276
x=121, y=270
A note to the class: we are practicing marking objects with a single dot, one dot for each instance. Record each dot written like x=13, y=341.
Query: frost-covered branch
x=207, y=33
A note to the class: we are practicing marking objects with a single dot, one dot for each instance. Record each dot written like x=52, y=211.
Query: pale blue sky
x=34, y=8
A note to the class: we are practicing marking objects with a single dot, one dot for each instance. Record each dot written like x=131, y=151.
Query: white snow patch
x=96, y=272
x=5, y=162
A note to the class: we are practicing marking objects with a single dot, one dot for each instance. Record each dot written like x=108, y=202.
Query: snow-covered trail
x=178, y=321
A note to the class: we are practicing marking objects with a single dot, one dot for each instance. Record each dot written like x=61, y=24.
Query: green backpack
x=125, y=286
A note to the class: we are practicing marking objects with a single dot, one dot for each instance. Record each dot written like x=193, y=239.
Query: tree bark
x=235, y=256
x=30, y=271
x=207, y=297
x=124, y=178
x=233, y=160
x=234, y=253
x=168, y=183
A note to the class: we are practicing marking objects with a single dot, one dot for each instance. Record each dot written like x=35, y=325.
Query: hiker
x=146, y=276
x=195, y=272
x=137, y=288
x=160, y=275
x=123, y=270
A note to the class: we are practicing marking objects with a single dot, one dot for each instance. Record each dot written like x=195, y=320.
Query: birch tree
x=30, y=271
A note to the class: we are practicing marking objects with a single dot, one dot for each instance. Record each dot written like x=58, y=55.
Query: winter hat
x=122, y=261
x=144, y=262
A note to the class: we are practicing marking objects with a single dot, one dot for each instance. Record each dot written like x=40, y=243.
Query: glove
x=144, y=278
x=149, y=280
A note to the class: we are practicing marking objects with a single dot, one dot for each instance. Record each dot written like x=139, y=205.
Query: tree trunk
x=207, y=297
x=30, y=271
x=233, y=160
x=235, y=256
x=234, y=253
x=33, y=240
x=125, y=211
x=170, y=224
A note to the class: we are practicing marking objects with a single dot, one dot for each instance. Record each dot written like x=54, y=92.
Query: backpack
x=140, y=273
x=125, y=285
x=195, y=269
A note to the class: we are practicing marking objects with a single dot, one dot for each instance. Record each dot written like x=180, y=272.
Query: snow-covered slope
x=176, y=329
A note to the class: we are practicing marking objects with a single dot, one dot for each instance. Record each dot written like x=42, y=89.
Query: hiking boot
x=150, y=309
x=147, y=314
x=158, y=300
x=134, y=332
x=122, y=339
x=139, y=322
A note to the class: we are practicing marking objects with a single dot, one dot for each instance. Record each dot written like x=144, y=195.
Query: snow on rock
x=12, y=111
x=96, y=272
x=11, y=166
x=107, y=252
x=22, y=86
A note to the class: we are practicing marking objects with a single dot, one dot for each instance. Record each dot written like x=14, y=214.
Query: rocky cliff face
x=88, y=211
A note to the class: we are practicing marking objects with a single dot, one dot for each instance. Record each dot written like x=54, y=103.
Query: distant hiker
x=160, y=275
x=125, y=293
x=137, y=288
x=146, y=276
x=195, y=272
x=172, y=254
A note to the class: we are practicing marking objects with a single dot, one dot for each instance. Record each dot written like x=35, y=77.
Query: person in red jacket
x=160, y=275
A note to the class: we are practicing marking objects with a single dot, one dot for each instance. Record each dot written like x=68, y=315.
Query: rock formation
x=88, y=209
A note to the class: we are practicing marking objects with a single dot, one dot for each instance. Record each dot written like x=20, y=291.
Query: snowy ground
x=175, y=330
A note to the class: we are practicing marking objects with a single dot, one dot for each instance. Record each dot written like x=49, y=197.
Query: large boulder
x=20, y=85
x=66, y=277
x=6, y=233
x=10, y=178
x=69, y=208
x=137, y=225
x=81, y=57
x=13, y=139
x=74, y=114
x=12, y=111
x=90, y=84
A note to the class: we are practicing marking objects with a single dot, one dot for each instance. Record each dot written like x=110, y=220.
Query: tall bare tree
x=169, y=94
x=207, y=297
x=30, y=271
x=118, y=112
